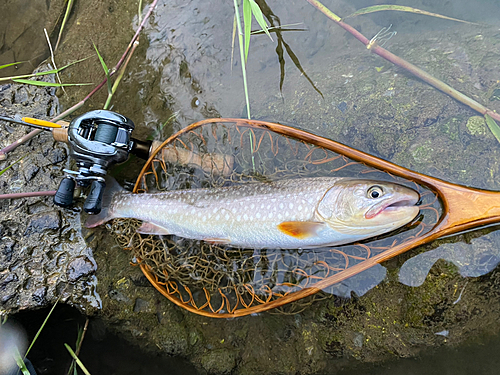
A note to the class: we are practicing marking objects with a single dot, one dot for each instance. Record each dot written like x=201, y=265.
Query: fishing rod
x=97, y=140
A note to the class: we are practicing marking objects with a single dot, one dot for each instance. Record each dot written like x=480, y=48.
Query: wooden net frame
x=215, y=152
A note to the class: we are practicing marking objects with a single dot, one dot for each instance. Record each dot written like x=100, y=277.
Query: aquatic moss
x=476, y=125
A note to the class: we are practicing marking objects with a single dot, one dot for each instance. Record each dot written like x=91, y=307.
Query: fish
x=298, y=213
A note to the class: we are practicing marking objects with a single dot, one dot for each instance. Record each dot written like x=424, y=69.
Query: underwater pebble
x=141, y=305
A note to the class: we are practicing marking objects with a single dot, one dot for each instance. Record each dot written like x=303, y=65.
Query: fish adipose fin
x=300, y=229
x=112, y=187
x=150, y=228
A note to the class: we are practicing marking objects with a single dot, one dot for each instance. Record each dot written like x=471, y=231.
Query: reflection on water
x=473, y=259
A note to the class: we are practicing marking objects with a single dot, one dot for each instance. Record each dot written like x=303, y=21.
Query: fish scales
x=248, y=213
x=287, y=214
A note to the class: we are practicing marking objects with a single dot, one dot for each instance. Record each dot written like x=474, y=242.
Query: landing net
x=222, y=281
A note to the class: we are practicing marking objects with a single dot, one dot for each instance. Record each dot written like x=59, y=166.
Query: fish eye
x=375, y=192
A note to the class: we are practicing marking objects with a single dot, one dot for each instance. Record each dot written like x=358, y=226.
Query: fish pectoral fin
x=217, y=241
x=150, y=228
x=301, y=229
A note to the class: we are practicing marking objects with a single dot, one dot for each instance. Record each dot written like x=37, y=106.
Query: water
x=183, y=72
x=104, y=352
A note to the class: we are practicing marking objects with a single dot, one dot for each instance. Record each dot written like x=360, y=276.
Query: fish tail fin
x=106, y=214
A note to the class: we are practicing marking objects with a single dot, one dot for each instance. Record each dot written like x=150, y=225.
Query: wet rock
x=40, y=244
x=57, y=155
x=9, y=278
x=39, y=295
x=42, y=222
x=221, y=361
x=7, y=248
x=30, y=172
x=80, y=267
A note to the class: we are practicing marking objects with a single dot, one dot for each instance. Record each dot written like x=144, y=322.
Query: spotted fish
x=286, y=214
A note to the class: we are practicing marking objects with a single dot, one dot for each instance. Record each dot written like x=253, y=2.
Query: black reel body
x=97, y=140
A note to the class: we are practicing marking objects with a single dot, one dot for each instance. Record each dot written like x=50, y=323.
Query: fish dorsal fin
x=300, y=229
x=150, y=228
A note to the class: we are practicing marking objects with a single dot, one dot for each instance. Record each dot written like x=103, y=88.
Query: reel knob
x=64, y=194
x=93, y=203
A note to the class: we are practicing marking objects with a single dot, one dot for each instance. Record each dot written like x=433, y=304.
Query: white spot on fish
x=238, y=218
x=299, y=208
x=290, y=205
x=281, y=205
x=226, y=217
x=257, y=215
x=245, y=217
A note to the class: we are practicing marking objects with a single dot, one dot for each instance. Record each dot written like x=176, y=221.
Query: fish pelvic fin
x=112, y=187
x=301, y=229
x=217, y=241
x=150, y=228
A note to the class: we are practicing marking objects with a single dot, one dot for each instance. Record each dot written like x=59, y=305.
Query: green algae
x=476, y=125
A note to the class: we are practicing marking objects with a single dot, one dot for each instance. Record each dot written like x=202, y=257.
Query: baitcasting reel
x=97, y=141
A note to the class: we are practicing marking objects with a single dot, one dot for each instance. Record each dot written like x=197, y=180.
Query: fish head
x=367, y=207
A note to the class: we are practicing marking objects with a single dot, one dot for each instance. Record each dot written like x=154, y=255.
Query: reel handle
x=64, y=194
x=93, y=203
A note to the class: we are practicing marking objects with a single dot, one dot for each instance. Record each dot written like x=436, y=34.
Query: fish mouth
x=402, y=204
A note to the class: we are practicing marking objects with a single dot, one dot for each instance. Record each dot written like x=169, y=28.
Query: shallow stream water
x=319, y=78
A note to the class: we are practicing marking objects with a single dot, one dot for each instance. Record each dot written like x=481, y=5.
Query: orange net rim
x=453, y=197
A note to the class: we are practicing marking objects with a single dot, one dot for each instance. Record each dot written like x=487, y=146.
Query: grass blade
x=41, y=327
x=54, y=71
x=65, y=19
x=12, y=64
x=44, y=73
x=50, y=84
x=247, y=20
x=401, y=8
x=10, y=166
x=119, y=77
x=106, y=71
x=77, y=360
x=495, y=129
x=20, y=362
x=242, y=55
x=257, y=13
x=232, y=42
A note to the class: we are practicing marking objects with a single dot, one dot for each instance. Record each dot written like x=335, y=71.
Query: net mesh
x=219, y=280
